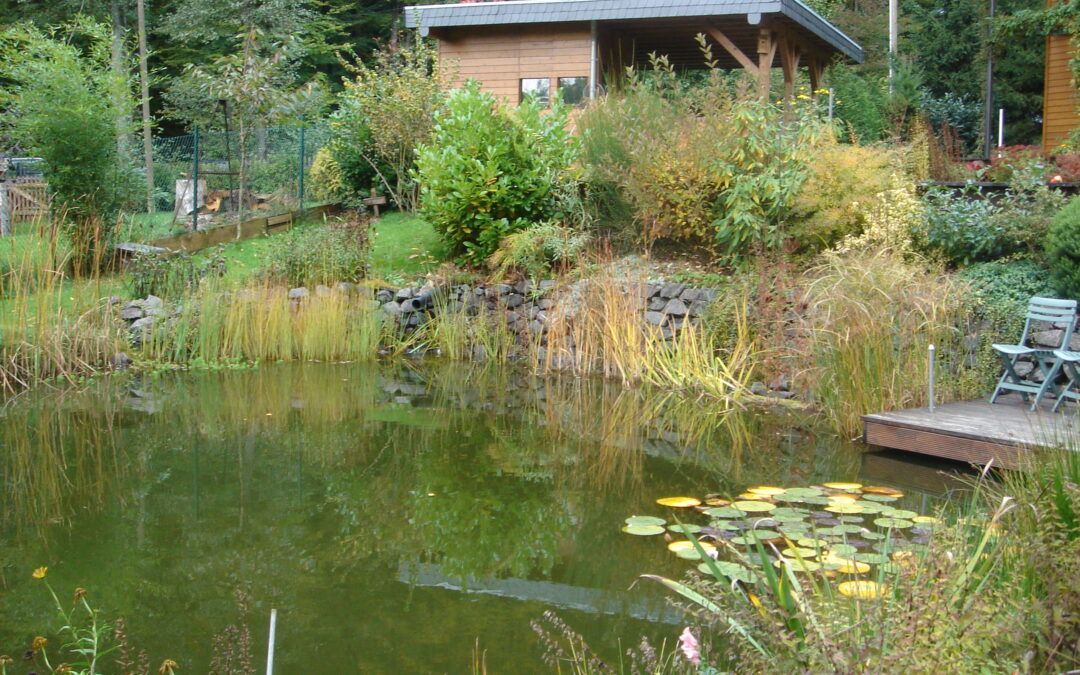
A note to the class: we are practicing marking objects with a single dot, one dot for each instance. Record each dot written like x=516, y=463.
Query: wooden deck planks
x=973, y=432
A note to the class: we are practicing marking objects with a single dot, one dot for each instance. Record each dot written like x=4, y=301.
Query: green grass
x=404, y=247
x=141, y=227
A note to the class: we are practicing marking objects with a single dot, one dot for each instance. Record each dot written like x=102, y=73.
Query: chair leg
x=1071, y=378
x=1008, y=375
x=1049, y=375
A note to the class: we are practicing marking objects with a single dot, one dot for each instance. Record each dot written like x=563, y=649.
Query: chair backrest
x=1051, y=310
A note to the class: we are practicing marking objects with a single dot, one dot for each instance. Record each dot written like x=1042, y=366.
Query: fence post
x=195, y=180
x=301, y=181
x=5, y=209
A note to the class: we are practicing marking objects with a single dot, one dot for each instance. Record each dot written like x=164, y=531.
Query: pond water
x=397, y=517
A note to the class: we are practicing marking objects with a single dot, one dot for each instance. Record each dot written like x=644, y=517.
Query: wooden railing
x=28, y=199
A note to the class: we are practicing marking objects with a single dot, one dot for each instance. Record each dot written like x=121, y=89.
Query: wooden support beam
x=733, y=49
x=789, y=62
x=817, y=71
x=766, y=48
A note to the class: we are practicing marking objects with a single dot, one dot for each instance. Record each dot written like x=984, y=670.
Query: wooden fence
x=27, y=200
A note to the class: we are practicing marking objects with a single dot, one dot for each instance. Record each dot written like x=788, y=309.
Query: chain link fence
x=204, y=169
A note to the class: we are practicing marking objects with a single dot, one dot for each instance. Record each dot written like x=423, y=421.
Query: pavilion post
x=766, y=48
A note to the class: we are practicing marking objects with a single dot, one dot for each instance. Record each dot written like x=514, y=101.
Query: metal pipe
x=270, y=646
x=830, y=103
x=933, y=366
x=301, y=182
x=593, y=66
x=1001, y=127
x=195, y=181
x=894, y=11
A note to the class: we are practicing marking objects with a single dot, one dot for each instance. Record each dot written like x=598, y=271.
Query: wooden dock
x=974, y=432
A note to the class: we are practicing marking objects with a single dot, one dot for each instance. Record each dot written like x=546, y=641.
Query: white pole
x=1001, y=127
x=5, y=210
x=593, y=65
x=894, y=10
x=933, y=365
x=270, y=646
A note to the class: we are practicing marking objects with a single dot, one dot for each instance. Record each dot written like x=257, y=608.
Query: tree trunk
x=144, y=83
x=121, y=74
x=243, y=173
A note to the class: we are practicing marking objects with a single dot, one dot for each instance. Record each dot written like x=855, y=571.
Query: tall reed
x=870, y=320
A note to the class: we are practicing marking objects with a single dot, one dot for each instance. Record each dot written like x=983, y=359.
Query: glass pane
x=574, y=89
x=539, y=87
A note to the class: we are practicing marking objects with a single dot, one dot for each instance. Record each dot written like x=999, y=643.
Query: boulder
x=690, y=295
x=391, y=308
x=514, y=300
x=404, y=294
x=298, y=293
x=152, y=302
x=675, y=307
x=344, y=287
x=672, y=290
x=131, y=312
x=121, y=360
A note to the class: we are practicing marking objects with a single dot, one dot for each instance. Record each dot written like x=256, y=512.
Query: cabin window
x=574, y=89
x=536, y=87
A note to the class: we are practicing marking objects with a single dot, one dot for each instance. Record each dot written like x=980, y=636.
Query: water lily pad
x=803, y=492
x=863, y=590
x=844, y=508
x=798, y=564
x=882, y=490
x=872, y=535
x=924, y=520
x=645, y=520
x=724, y=512
x=685, y=549
x=872, y=507
x=894, y=523
x=748, y=496
x=793, y=532
x=684, y=528
x=871, y=558
x=723, y=525
x=846, y=528
x=786, y=511
x=808, y=542
x=716, y=501
x=850, y=519
x=678, y=502
x=899, y=513
x=846, y=565
x=880, y=498
x=822, y=500
x=754, y=506
x=843, y=486
x=750, y=536
x=798, y=552
x=643, y=530
x=766, y=490
x=842, y=550
x=843, y=498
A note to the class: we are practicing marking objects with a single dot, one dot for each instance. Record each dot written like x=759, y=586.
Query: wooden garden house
x=521, y=47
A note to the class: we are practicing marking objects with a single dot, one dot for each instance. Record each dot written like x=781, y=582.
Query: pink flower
x=689, y=646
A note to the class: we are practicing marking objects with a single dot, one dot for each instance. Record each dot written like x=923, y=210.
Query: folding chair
x=1067, y=361
x=1050, y=310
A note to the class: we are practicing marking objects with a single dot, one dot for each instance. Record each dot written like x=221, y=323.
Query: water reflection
x=365, y=502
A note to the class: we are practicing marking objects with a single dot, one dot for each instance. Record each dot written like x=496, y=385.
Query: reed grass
x=870, y=320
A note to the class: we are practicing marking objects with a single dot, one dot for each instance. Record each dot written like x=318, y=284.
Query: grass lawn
x=404, y=247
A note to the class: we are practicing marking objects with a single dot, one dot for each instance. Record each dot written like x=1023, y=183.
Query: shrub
x=326, y=177
x=962, y=229
x=890, y=219
x=492, y=169
x=710, y=162
x=171, y=275
x=384, y=114
x=860, y=103
x=63, y=100
x=320, y=255
x=830, y=205
x=540, y=249
x=1063, y=247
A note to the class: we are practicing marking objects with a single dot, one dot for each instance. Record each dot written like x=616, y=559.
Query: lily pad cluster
x=847, y=531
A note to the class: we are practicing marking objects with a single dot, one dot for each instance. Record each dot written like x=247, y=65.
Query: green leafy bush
x=171, y=275
x=492, y=169
x=62, y=100
x=1063, y=247
x=540, y=249
x=962, y=229
x=320, y=255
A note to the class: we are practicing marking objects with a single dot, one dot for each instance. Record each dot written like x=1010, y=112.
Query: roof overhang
x=511, y=12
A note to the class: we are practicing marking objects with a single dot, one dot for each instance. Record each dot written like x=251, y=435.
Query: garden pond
x=398, y=517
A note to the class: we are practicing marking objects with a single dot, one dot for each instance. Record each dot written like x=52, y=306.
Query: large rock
x=655, y=318
x=404, y=294
x=391, y=308
x=132, y=312
x=298, y=293
x=514, y=300
x=676, y=307
x=672, y=290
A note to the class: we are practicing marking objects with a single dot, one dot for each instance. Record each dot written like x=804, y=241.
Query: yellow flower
x=6, y=660
x=40, y=572
x=167, y=667
x=39, y=643
x=78, y=595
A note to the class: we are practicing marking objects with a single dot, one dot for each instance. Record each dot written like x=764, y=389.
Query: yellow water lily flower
x=40, y=572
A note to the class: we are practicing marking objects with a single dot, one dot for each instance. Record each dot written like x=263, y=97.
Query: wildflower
x=78, y=595
x=689, y=646
x=39, y=643
x=5, y=660
x=40, y=572
x=167, y=667
x=63, y=668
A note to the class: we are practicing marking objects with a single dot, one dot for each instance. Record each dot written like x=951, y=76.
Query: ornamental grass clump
x=870, y=319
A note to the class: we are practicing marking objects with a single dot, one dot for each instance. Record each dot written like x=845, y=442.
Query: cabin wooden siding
x=500, y=56
x=1059, y=95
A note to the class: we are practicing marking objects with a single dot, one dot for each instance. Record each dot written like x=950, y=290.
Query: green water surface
x=400, y=519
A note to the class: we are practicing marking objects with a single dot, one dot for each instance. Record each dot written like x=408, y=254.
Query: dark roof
x=426, y=17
